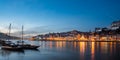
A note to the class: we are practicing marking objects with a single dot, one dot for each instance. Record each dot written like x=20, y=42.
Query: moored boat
x=26, y=46
x=8, y=45
x=12, y=47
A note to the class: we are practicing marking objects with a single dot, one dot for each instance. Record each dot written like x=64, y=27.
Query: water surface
x=61, y=50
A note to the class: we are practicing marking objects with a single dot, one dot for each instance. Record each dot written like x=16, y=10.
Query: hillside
x=5, y=36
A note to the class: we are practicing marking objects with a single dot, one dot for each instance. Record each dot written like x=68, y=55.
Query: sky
x=44, y=16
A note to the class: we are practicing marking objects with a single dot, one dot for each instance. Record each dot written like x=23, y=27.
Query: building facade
x=115, y=25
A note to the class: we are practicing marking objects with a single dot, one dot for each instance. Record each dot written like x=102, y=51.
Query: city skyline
x=46, y=16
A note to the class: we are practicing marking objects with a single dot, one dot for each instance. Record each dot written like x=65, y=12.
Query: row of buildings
x=114, y=26
x=100, y=34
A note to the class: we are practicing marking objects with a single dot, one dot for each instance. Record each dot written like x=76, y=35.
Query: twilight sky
x=43, y=16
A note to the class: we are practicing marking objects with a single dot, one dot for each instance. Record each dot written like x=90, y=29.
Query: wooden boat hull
x=29, y=46
x=12, y=48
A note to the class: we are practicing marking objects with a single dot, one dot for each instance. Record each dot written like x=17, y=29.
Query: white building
x=115, y=25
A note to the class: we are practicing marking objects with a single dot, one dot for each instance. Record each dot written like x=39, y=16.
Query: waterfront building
x=115, y=25
x=98, y=29
x=112, y=33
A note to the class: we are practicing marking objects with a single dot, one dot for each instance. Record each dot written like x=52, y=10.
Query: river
x=62, y=50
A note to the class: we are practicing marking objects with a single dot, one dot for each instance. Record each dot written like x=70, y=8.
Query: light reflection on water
x=61, y=50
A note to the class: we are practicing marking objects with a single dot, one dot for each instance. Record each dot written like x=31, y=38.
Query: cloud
x=43, y=30
x=5, y=29
x=33, y=31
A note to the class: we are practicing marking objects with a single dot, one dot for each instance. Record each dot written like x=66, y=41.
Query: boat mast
x=22, y=34
x=9, y=30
